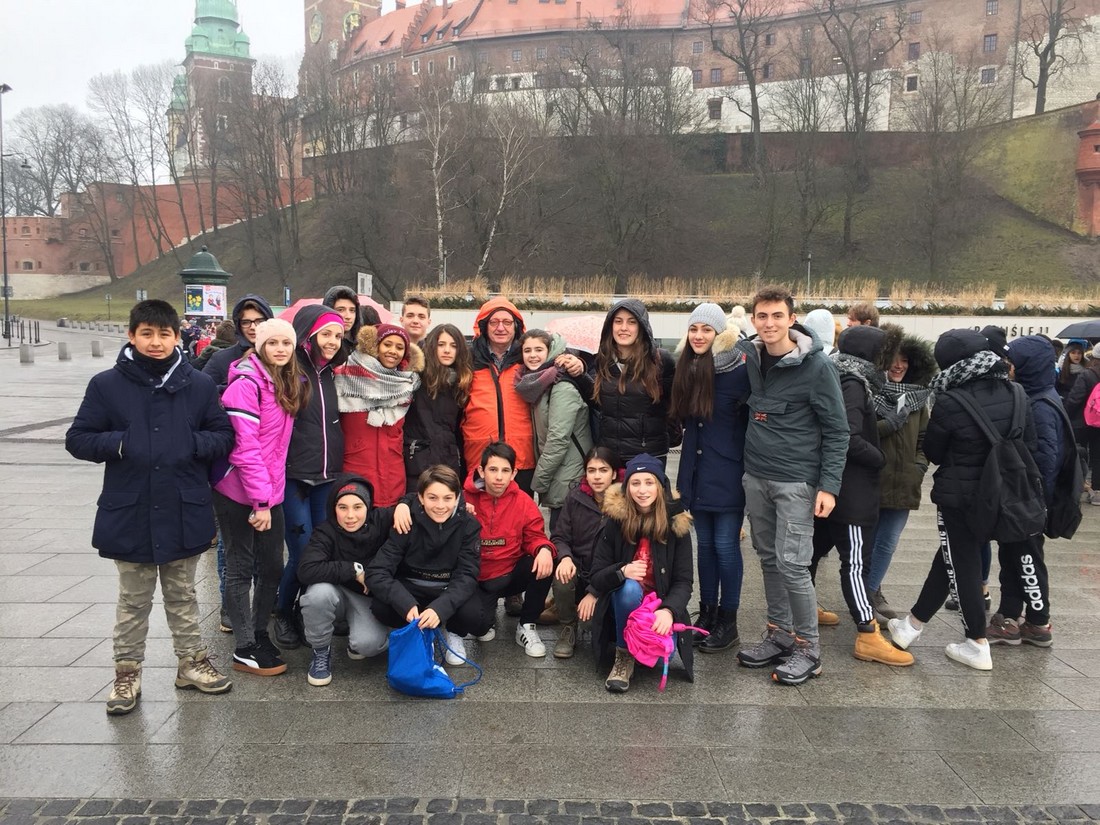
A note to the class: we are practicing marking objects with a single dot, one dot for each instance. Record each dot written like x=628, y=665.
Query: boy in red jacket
x=516, y=555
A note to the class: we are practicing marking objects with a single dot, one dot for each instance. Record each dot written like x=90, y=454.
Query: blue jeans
x=303, y=509
x=624, y=600
x=890, y=524
x=720, y=565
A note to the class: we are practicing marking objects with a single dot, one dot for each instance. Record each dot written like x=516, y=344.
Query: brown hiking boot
x=567, y=640
x=827, y=618
x=871, y=646
x=1034, y=634
x=618, y=681
x=127, y=688
x=198, y=672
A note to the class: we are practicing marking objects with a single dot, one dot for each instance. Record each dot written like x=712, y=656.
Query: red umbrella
x=364, y=301
x=579, y=331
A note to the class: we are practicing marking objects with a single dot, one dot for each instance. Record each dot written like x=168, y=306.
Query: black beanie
x=956, y=344
x=863, y=342
x=997, y=338
x=355, y=488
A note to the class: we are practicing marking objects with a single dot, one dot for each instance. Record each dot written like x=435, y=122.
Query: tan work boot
x=198, y=672
x=827, y=618
x=871, y=646
x=127, y=688
x=567, y=640
x=618, y=681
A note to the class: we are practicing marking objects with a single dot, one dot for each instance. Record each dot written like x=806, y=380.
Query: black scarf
x=156, y=367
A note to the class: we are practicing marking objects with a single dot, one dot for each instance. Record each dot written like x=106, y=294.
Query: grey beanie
x=820, y=323
x=709, y=314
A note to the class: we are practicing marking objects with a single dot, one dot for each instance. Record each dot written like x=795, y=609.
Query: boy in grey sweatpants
x=796, y=411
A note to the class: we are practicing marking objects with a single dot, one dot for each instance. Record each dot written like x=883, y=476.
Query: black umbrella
x=1082, y=329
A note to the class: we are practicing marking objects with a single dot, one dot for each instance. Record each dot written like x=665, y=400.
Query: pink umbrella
x=579, y=331
x=292, y=310
x=645, y=645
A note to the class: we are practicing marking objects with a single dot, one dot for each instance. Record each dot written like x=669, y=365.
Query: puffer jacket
x=672, y=572
x=798, y=410
x=257, y=475
x=157, y=441
x=577, y=529
x=352, y=335
x=562, y=436
x=956, y=443
x=495, y=412
x=377, y=452
x=1031, y=355
x=906, y=464
x=1078, y=397
x=433, y=434
x=511, y=527
x=316, y=452
x=332, y=551
x=712, y=461
x=631, y=422
x=217, y=367
x=448, y=552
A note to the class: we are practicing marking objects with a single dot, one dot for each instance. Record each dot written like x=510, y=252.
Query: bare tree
x=56, y=141
x=1050, y=36
x=444, y=136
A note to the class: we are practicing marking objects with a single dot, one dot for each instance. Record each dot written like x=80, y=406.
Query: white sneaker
x=527, y=637
x=970, y=653
x=902, y=632
x=455, y=652
x=488, y=635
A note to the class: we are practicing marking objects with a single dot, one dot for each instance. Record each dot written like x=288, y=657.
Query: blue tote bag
x=412, y=668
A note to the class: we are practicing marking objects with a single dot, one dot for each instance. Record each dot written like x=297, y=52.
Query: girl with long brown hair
x=433, y=426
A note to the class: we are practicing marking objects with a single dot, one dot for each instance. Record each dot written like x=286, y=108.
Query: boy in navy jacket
x=156, y=424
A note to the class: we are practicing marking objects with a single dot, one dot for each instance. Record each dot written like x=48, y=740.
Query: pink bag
x=645, y=645
x=1092, y=408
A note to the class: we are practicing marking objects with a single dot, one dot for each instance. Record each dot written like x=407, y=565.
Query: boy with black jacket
x=850, y=526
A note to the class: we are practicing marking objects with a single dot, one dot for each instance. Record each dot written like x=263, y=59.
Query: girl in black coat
x=433, y=426
x=575, y=535
x=645, y=546
x=429, y=575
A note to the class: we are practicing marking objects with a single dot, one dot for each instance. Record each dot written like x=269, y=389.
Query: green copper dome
x=179, y=93
x=217, y=30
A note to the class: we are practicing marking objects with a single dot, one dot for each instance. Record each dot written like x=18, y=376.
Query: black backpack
x=1064, y=516
x=1009, y=506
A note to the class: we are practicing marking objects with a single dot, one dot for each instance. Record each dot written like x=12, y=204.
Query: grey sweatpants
x=324, y=603
x=781, y=514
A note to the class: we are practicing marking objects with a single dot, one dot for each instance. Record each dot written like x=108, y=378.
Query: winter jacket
x=712, y=461
x=562, y=436
x=631, y=422
x=332, y=551
x=956, y=443
x=257, y=475
x=511, y=527
x=433, y=434
x=495, y=412
x=672, y=572
x=352, y=335
x=316, y=453
x=906, y=464
x=444, y=553
x=798, y=429
x=1078, y=396
x=377, y=452
x=158, y=441
x=858, y=501
x=204, y=352
x=218, y=365
x=1031, y=355
x=578, y=528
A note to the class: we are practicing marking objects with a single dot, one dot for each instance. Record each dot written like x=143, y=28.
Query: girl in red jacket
x=266, y=390
x=376, y=387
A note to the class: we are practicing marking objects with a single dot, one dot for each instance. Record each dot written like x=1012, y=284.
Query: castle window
x=83, y=233
x=714, y=108
x=914, y=17
x=769, y=39
x=914, y=51
x=696, y=77
x=116, y=233
x=911, y=82
x=416, y=67
x=989, y=43
x=515, y=82
x=767, y=71
x=225, y=92
x=452, y=62
x=517, y=55
x=989, y=76
x=26, y=230
x=85, y=266
x=715, y=76
x=28, y=264
x=992, y=7
x=697, y=47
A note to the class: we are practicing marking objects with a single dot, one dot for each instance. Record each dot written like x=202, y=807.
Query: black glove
x=894, y=419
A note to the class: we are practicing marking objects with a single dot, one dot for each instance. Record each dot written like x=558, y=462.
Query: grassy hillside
x=998, y=244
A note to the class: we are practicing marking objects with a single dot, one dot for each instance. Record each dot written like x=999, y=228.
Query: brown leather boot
x=871, y=646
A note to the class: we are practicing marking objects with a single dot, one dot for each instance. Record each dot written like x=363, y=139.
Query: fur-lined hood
x=614, y=507
x=367, y=343
x=922, y=362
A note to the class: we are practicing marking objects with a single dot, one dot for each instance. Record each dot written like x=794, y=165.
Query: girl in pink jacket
x=266, y=390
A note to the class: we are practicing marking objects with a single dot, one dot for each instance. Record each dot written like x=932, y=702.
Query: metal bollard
x=63, y=353
x=26, y=354
x=97, y=349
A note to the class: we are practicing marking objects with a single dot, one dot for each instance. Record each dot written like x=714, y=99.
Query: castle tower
x=1088, y=178
x=329, y=24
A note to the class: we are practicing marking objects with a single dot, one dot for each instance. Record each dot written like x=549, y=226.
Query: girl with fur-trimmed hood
x=645, y=547
x=709, y=390
x=376, y=387
x=902, y=407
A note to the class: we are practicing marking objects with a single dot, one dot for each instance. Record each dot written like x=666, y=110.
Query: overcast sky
x=50, y=48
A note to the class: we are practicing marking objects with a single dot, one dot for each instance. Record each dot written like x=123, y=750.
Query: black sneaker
x=264, y=643
x=254, y=659
x=286, y=633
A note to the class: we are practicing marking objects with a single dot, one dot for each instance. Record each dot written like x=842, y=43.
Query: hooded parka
x=906, y=464
x=217, y=367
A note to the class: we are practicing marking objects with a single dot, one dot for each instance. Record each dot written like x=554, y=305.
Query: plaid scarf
x=364, y=385
x=984, y=363
x=916, y=398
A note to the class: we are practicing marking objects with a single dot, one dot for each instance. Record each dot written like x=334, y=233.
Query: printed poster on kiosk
x=204, y=301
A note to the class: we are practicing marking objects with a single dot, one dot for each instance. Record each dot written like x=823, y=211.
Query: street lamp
x=4, y=89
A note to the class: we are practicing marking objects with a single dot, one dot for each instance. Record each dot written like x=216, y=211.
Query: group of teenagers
x=399, y=466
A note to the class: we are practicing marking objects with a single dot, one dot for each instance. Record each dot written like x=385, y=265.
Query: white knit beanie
x=709, y=314
x=272, y=327
x=820, y=323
